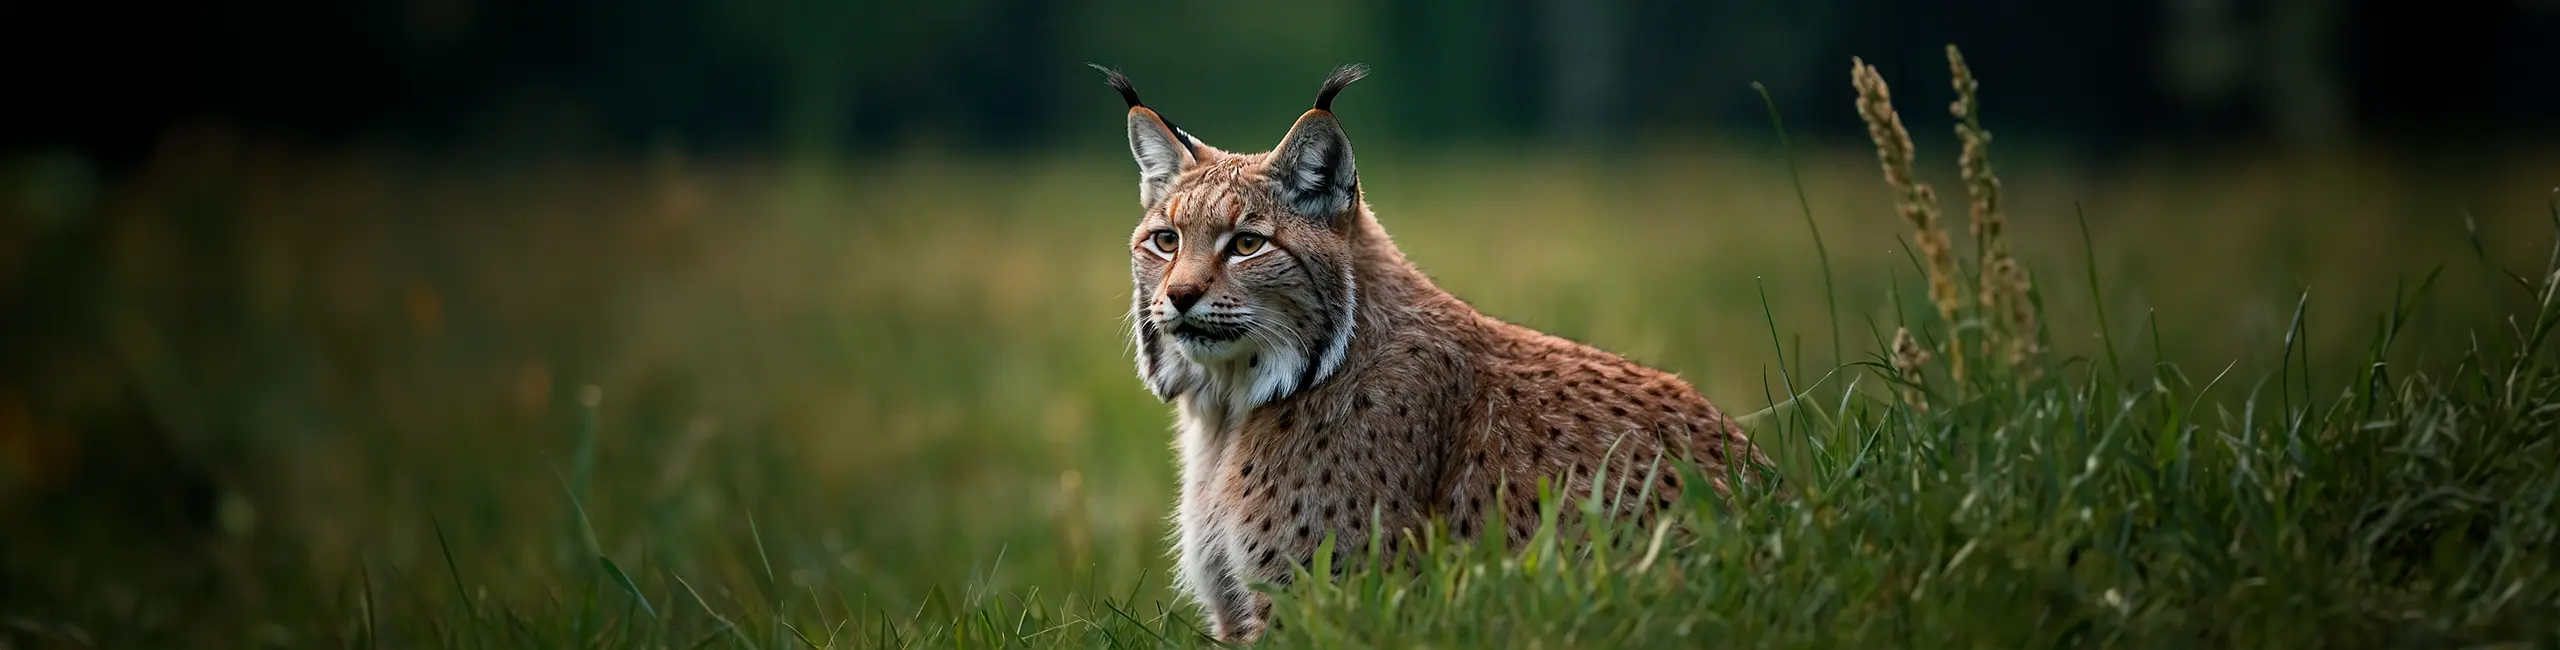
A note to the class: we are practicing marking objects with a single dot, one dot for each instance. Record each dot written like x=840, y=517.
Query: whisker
x=1278, y=334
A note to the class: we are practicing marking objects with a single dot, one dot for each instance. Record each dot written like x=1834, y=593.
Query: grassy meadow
x=279, y=397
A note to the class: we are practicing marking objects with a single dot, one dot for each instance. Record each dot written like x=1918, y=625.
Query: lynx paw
x=1238, y=632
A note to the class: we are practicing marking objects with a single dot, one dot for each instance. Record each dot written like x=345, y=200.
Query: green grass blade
x=372, y=628
x=732, y=627
x=624, y=579
x=758, y=535
x=2089, y=263
x=586, y=529
x=1804, y=203
x=455, y=570
x=1784, y=377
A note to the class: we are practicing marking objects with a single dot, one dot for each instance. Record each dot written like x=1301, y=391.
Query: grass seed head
x=1908, y=356
x=2005, y=283
x=1914, y=199
x=1981, y=184
x=1917, y=203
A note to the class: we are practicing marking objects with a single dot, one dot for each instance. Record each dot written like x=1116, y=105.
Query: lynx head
x=1242, y=262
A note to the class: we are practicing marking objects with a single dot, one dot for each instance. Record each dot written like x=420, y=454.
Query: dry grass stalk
x=2005, y=284
x=1915, y=200
x=1908, y=356
x=1980, y=183
x=2017, y=315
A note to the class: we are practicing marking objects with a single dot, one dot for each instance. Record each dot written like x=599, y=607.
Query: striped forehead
x=1206, y=206
x=1214, y=194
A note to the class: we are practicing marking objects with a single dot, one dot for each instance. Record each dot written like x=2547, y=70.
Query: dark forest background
x=106, y=79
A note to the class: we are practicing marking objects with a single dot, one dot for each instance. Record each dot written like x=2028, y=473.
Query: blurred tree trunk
x=1585, y=89
x=815, y=101
x=812, y=47
x=2285, y=62
x=2206, y=54
x=2304, y=88
x=1445, y=66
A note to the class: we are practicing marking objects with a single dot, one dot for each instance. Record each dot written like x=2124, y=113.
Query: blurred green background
x=287, y=286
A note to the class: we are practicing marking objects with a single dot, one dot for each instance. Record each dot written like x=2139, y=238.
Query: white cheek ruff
x=1163, y=369
x=1276, y=377
x=1263, y=367
x=1340, y=346
x=1231, y=388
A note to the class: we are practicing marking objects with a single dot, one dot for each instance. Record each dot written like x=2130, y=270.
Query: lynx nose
x=1183, y=296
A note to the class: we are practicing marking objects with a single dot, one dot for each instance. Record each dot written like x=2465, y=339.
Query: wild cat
x=1322, y=385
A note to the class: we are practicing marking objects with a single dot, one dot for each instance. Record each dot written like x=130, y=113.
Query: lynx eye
x=1245, y=245
x=1165, y=242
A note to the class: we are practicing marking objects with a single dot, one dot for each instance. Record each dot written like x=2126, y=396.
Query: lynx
x=1322, y=385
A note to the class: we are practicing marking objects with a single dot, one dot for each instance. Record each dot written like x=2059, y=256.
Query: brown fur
x=1434, y=412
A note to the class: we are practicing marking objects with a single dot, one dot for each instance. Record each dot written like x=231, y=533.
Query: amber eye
x=1165, y=241
x=1245, y=245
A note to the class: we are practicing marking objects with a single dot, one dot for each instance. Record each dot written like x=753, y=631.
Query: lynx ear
x=1313, y=165
x=1162, y=149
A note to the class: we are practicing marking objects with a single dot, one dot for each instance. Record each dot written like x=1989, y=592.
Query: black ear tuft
x=1129, y=93
x=1120, y=82
x=1342, y=76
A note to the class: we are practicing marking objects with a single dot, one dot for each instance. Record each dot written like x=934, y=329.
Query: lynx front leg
x=1257, y=616
x=1206, y=572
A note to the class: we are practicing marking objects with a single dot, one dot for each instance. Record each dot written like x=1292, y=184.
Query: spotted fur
x=1324, y=385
